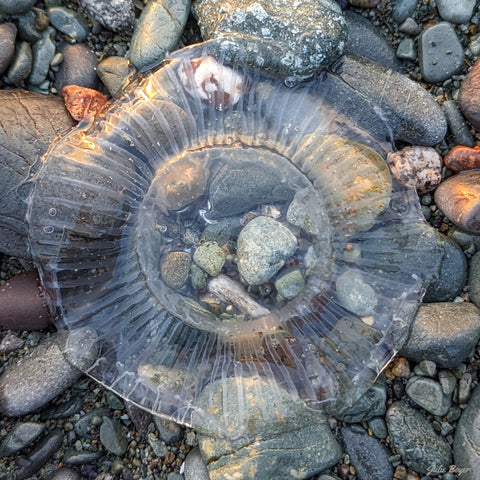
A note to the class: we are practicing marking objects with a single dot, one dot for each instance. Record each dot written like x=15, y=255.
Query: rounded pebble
x=69, y=22
x=420, y=167
x=457, y=124
x=210, y=257
x=459, y=199
x=428, y=393
x=461, y=158
x=21, y=65
x=111, y=436
x=355, y=293
x=64, y=474
x=445, y=333
x=14, y=7
x=469, y=94
x=8, y=33
x=43, y=52
x=440, y=53
x=114, y=72
x=21, y=435
x=262, y=248
x=456, y=11
x=195, y=468
x=403, y=9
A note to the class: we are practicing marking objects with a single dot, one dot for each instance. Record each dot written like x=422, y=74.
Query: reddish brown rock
x=461, y=158
x=23, y=305
x=469, y=96
x=82, y=102
x=459, y=199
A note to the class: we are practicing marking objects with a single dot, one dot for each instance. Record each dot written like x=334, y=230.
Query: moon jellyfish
x=215, y=225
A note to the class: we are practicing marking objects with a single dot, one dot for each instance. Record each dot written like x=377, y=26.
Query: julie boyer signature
x=436, y=469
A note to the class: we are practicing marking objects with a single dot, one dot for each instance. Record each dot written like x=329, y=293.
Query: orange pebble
x=401, y=368
x=83, y=103
x=461, y=158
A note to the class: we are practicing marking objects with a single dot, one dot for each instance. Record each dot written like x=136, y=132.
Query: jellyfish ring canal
x=217, y=229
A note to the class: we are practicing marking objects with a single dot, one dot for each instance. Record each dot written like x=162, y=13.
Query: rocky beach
x=406, y=72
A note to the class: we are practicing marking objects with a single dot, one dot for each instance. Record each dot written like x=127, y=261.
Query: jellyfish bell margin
x=303, y=289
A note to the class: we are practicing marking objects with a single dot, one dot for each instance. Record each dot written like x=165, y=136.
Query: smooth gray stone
x=402, y=9
x=24, y=138
x=169, y=431
x=406, y=49
x=428, y=393
x=370, y=404
x=69, y=22
x=148, y=47
x=474, y=279
x=367, y=455
x=8, y=33
x=466, y=444
x=14, y=7
x=457, y=124
x=111, y=436
x=440, y=53
x=21, y=435
x=74, y=457
x=384, y=102
x=78, y=67
x=456, y=11
x=21, y=65
x=267, y=33
x=114, y=73
x=195, y=468
x=415, y=440
x=378, y=426
x=43, y=52
x=445, y=333
x=46, y=372
x=366, y=40
x=26, y=27
x=64, y=474
x=118, y=16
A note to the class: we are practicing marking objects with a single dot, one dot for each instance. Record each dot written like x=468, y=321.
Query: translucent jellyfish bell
x=218, y=229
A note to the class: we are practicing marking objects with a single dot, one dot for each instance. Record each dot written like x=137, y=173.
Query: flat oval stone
x=8, y=32
x=459, y=199
x=285, y=42
x=456, y=11
x=440, y=53
x=469, y=96
x=445, y=333
x=41, y=376
x=428, y=393
x=21, y=64
x=43, y=52
x=415, y=440
x=22, y=435
x=69, y=22
x=461, y=158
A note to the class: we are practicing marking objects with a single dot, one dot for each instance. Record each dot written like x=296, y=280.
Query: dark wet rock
x=78, y=67
x=452, y=275
x=466, y=445
x=270, y=31
x=366, y=40
x=41, y=376
x=428, y=393
x=14, y=7
x=114, y=72
x=370, y=404
x=117, y=16
x=440, y=53
x=8, y=33
x=457, y=124
x=21, y=65
x=456, y=11
x=43, y=52
x=236, y=189
x=195, y=468
x=445, y=333
x=403, y=9
x=69, y=22
x=86, y=427
x=40, y=454
x=410, y=27
x=282, y=437
x=25, y=137
x=111, y=436
x=149, y=46
x=474, y=279
x=406, y=49
x=66, y=408
x=27, y=30
x=367, y=455
x=169, y=431
x=363, y=89
x=459, y=199
x=414, y=438
x=21, y=435
x=378, y=427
